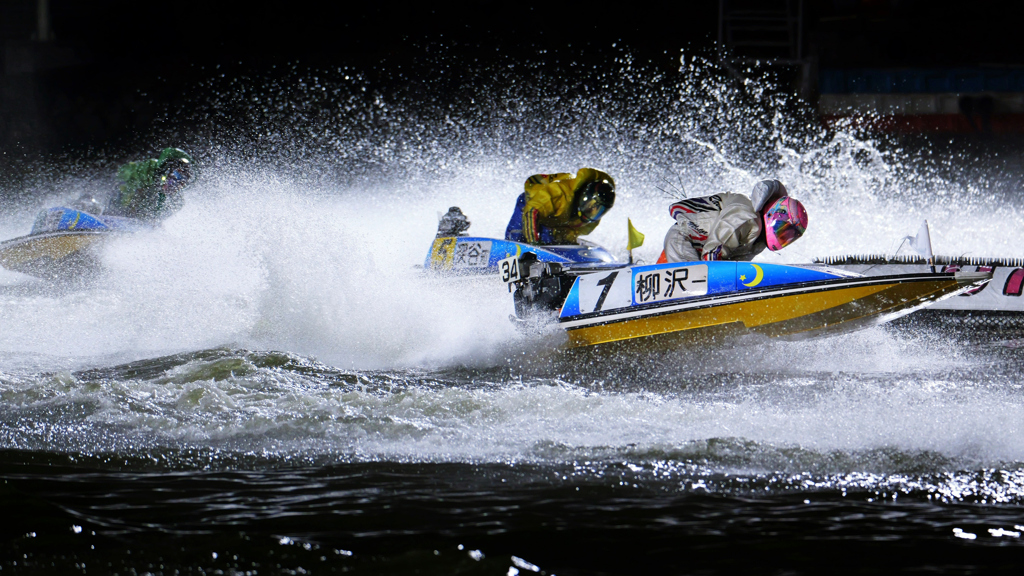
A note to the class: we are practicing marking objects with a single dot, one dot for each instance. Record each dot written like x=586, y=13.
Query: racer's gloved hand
x=712, y=255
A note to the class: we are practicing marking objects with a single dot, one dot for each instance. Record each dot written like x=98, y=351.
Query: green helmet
x=175, y=168
x=174, y=154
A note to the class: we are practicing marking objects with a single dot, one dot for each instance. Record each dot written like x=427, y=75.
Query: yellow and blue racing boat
x=663, y=303
x=63, y=243
x=475, y=255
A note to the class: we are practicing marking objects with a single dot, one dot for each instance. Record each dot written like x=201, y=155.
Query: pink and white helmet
x=784, y=222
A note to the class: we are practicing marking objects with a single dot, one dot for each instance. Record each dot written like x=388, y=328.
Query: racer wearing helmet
x=151, y=189
x=559, y=208
x=453, y=223
x=733, y=227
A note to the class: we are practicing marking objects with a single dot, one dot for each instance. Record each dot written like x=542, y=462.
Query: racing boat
x=473, y=256
x=664, y=303
x=63, y=242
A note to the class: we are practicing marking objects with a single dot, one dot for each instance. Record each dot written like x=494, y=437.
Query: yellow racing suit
x=549, y=204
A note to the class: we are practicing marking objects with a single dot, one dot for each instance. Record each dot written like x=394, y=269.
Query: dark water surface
x=246, y=462
x=479, y=519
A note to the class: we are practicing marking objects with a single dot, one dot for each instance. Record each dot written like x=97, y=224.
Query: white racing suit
x=721, y=227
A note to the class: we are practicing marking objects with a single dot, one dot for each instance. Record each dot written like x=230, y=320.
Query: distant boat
x=63, y=242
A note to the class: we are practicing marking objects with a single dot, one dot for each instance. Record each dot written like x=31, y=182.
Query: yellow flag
x=636, y=239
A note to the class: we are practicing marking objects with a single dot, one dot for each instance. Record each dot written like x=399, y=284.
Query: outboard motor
x=542, y=286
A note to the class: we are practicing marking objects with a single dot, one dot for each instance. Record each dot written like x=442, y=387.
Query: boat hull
x=800, y=311
x=63, y=242
x=52, y=254
x=1001, y=295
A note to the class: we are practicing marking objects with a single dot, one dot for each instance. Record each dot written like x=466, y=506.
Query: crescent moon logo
x=757, y=278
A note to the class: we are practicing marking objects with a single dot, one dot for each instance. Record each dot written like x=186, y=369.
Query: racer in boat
x=453, y=223
x=151, y=189
x=87, y=203
x=559, y=208
x=733, y=227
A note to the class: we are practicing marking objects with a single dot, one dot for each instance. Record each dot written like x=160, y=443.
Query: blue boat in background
x=62, y=243
x=473, y=255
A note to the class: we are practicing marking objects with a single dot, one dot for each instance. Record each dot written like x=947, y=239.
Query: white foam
x=278, y=254
x=828, y=417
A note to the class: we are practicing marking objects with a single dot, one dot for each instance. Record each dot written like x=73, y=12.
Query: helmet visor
x=174, y=180
x=592, y=209
x=784, y=222
x=781, y=234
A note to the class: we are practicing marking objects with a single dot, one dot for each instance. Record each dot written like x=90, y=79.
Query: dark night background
x=112, y=67
x=91, y=84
